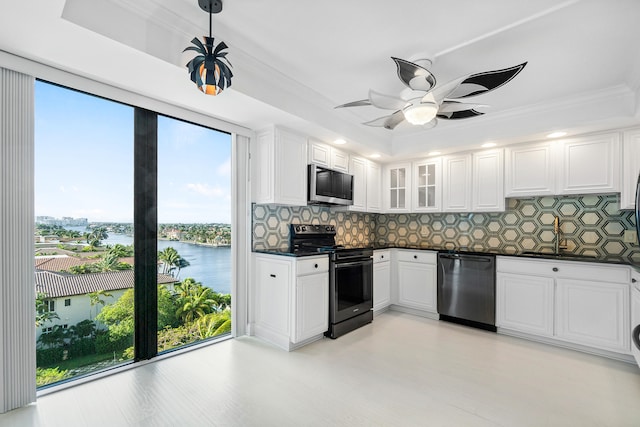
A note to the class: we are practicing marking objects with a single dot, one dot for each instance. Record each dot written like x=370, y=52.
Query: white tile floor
x=399, y=371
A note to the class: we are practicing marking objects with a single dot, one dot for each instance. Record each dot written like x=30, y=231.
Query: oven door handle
x=353, y=263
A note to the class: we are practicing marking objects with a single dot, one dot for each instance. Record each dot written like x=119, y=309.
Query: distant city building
x=64, y=221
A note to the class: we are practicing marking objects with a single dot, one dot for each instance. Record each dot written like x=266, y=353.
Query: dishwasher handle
x=471, y=257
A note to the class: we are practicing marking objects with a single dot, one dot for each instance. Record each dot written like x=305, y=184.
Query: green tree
x=213, y=324
x=194, y=300
x=121, y=251
x=111, y=262
x=43, y=314
x=95, y=238
x=118, y=317
x=171, y=261
x=96, y=298
x=55, y=338
x=84, y=329
x=46, y=376
x=167, y=309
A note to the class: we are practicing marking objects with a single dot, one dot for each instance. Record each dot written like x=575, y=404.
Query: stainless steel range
x=350, y=276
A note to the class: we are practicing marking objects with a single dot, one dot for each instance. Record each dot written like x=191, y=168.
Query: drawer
x=311, y=265
x=381, y=256
x=424, y=257
x=565, y=269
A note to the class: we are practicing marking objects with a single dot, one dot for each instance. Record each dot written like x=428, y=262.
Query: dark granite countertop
x=286, y=252
x=565, y=256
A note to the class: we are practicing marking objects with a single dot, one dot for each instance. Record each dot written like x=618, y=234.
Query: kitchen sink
x=556, y=256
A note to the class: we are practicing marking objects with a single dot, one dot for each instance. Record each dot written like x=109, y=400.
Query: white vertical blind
x=17, y=292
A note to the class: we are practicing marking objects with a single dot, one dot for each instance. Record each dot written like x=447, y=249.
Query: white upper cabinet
x=328, y=156
x=279, y=167
x=529, y=170
x=427, y=186
x=358, y=168
x=456, y=183
x=374, y=187
x=397, y=184
x=339, y=160
x=630, y=168
x=488, y=181
x=590, y=164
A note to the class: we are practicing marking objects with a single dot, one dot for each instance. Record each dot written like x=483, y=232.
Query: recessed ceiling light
x=434, y=153
x=375, y=156
x=556, y=134
x=339, y=142
x=488, y=145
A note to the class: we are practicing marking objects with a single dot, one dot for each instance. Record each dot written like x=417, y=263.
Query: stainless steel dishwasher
x=467, y=289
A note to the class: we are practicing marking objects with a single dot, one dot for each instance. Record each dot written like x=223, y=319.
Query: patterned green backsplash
x=271, y=225
x=591, y=225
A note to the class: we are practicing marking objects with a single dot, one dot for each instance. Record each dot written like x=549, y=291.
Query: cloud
x=206, y=190
x=225, y=168
x=64, y=189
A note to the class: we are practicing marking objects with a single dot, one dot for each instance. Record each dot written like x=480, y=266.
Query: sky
x=84, y=162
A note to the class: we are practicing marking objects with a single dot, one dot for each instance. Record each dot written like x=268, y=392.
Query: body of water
x=210, y=266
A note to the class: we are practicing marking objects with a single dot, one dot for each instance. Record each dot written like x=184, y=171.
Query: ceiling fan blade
x=355, y=104
x=414, y=76
x=464, y=114
x=388, y=122
x=386, y=102
x=454, y=106
x=484, y=82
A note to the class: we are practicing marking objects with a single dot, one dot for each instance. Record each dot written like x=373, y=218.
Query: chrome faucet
x=558, y=234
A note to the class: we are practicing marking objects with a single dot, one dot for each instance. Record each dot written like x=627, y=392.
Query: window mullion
x=145, y=226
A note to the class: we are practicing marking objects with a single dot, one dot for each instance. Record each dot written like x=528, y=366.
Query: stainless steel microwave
x=329, y=187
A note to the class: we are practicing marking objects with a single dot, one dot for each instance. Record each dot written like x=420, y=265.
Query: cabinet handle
x=555, y=269
x=272, y=275
x=316, y=265
x=381, y=256
x=633, y=280
x=415, y=257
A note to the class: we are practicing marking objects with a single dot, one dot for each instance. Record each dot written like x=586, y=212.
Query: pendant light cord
x=210, y=20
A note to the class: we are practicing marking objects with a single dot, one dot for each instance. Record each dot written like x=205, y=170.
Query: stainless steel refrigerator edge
x=467, y=289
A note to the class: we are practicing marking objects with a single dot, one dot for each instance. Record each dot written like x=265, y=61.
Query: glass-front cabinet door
x=397, y=180
x=427, y=186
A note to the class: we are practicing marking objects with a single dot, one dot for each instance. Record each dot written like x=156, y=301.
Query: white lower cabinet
x=593, y=313
x=381, y=280
x=525, y=303
x=573, y=302
x=291, y=299
x=417, y=280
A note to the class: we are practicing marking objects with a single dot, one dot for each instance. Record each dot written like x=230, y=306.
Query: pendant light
x=210, y=70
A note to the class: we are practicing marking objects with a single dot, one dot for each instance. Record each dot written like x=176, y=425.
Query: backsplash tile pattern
x=591, y=225
x=271, y=225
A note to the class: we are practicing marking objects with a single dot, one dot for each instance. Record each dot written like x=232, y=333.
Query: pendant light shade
x=210, y=69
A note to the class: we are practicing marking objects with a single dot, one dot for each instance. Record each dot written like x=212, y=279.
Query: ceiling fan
x=432, y=102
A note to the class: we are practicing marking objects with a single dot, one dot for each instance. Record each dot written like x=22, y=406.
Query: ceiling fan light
x=420, y=114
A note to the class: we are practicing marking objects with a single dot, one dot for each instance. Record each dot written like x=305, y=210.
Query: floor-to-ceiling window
x=113, y=184
x=194, y=233
x=83, y=246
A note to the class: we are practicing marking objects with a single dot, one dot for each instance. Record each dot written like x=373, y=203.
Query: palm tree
x=180, y=264
x=121, y=251
x=194, y=302
x=94, y=239
x=171, y=260
x=214, y=324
